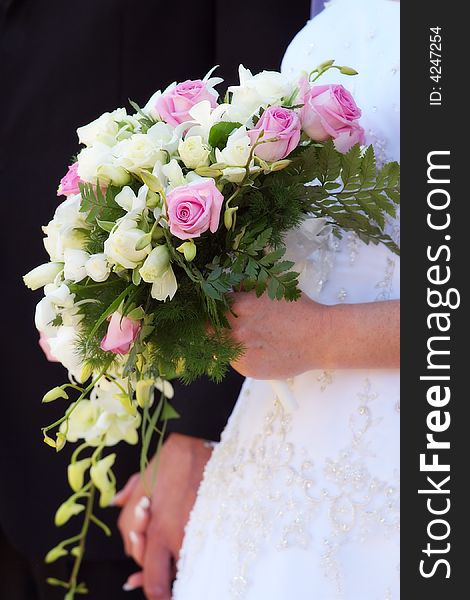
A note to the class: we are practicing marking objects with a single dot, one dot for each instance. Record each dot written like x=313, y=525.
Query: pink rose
x=280, y=123
x=174, y=105
x=194, y=208
x=122, y=333
x=69, y=182
x=329, y=112
x=45, y=347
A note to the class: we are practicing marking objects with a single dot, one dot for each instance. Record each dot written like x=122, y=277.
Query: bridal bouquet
x=167, y=210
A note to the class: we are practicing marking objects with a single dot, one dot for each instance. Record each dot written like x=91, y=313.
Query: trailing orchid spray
x=168, y=210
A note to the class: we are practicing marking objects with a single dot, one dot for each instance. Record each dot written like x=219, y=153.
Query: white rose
x=193, y=152
x=91, y=159
x=104, y=129
x=111, y=174
x=155, y=265
x=74, y=264
x=137, y=152
x=97, y=267
x=120, y=247
x=42, y=275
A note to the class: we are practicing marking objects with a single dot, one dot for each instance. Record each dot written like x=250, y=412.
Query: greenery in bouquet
x=167, y=211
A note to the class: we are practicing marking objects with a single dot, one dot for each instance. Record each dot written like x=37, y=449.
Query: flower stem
x=81, y=548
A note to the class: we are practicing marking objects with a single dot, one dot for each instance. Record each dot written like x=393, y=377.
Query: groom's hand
x=153, y=528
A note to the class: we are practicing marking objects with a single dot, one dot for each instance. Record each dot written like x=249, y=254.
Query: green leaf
x=99, y=206
x=219, y=133
x=105, y=225
x=329, y=162
x=169, y=412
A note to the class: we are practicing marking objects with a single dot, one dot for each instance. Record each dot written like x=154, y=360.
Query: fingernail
x=144, y=502
x=134, y=538
x=142, y=507
x=128, y=587
x=115, y=500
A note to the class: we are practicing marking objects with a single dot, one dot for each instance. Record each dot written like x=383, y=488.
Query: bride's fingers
x=142, y=514
x=137, y=546
x=136, y=580
x=122, y=497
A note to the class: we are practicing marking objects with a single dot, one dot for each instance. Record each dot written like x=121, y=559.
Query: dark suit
x=61, y=65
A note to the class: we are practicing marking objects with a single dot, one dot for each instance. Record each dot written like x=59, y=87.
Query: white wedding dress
x=302, y=503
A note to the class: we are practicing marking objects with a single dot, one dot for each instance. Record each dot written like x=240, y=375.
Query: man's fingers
x=157, y=570
x=122, y=497
x=134, y=581
x=137, y=546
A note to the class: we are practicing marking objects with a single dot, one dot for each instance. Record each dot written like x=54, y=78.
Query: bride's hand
x=283, y=339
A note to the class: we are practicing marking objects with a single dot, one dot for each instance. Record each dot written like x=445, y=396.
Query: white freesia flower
x=74, y=264
x=108, y=128
x=63, y=348
x=63, y=231
x=235, y=156
x=267, y=87
x=60, y=295
x=42, y=275
x=157, y=270
x=97, y=267
x=165, y=287
x=193, y=152
x=155, y=265
x=137, y=152
x=44, y=316
x=120, y=247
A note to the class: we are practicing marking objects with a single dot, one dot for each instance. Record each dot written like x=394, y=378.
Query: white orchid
x=132, y=203
x=204, y=117
x=255, y=91
x=103, y=418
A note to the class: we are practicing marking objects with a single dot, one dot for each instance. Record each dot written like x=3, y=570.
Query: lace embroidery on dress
x=271, y=498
